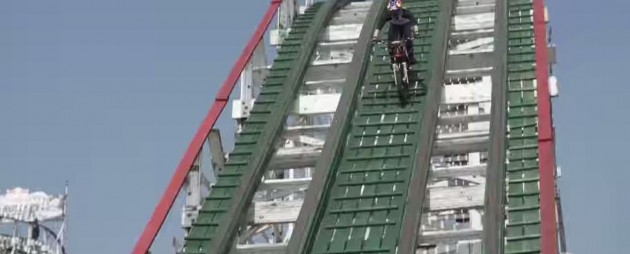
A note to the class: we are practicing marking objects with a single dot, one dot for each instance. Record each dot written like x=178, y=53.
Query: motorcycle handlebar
x=380, y=41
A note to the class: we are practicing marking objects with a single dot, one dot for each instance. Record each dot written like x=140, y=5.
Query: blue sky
x=108, y=94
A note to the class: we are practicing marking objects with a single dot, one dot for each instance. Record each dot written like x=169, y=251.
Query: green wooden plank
x=522, y=231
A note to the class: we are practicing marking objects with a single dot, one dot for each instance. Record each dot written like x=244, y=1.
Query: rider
x=400, y=21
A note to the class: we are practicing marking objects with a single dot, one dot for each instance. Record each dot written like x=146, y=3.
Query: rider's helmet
x=395, y=8
x=394, y=5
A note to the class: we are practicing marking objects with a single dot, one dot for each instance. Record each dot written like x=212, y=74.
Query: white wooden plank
x=342, y=32
x=296, y=129
x=449, y=235
x=326, y=72
x=334, y=60
x=317, y=104
x=468, y=134
x=261, y=248
x=464, y=118
x=447, y=198
x=296, y=157
x=276, y=211
x=308, y=140
x=285, y=184
x=463, y=145
x=479, y=91
x=459, y=171
x=473, y=21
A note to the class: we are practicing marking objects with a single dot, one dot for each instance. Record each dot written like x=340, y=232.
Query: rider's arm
x=380, y=22
x=409, y=15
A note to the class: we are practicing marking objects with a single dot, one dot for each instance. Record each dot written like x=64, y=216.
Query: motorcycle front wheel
x=399, y=79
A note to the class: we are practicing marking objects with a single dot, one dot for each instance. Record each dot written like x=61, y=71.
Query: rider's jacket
x=399, y=20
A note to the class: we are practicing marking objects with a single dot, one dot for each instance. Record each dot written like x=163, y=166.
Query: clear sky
x=108, y=94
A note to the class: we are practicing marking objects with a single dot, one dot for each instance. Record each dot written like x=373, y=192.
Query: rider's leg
x=392, y=35
x=406, y=29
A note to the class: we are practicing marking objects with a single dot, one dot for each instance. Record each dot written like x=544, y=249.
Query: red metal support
x=177, y=181
x=546, y=146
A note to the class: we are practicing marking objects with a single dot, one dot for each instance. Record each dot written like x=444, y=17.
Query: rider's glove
x=415, y=29
x=375, y=36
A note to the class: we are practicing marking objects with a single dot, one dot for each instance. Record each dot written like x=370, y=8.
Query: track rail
x=335, y=142
x=495, y=178
x=422, y=166
x=179, y=177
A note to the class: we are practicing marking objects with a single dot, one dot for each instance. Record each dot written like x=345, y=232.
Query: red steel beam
x=546, y=146
x=177, y=181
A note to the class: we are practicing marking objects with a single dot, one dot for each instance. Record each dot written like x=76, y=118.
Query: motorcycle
x=400, y=64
